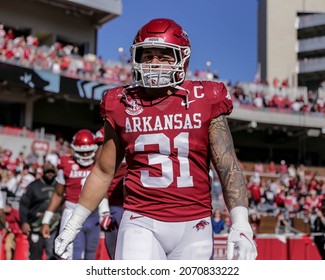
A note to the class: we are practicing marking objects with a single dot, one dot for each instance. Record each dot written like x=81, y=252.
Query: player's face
x=84, y=154
x=157, y=56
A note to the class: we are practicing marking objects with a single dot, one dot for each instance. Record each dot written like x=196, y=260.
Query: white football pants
x=143, y=238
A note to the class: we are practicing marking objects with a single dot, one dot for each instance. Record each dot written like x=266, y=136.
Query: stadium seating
x=288, y=247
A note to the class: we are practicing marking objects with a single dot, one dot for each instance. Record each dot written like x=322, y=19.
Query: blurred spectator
x=297, y=105
x=283, y=168
x=62, y=146
x=2, y=32
x=275, y=186
x=2, y=215
x=32, y=157
x=218, y=224
x=269, y=196
x=312, y=200
x=258, y=101
x=317, y=222
x=301, y=172
x=23, y=179
x=10, y=34
x=285, y=83
x=20, y=160
x=259, y=167
x=276, y=82
x=292, y=171
x=10, y=186
x=255, y=221
x=33, y=204
x=11, y=231
x=280, y=198
x=282, y=224
x=52, y=157
x=271, y=168
x=254, y=189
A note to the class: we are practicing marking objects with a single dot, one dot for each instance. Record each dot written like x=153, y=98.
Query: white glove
x=241, y=236
x=70, y=231
x=103, y=209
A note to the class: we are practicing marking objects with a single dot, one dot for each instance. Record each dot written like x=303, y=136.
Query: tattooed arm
x=225, y=162
x=233, y=183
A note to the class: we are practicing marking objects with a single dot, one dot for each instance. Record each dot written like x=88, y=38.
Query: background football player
x=72, y=173
x=168, y=129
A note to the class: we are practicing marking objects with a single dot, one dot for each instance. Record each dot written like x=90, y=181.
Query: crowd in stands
x=285, y=191
x=60, y=59
x=277, y=98
x=67, y=61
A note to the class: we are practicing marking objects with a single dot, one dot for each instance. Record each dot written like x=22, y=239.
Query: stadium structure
x=291, y=36
x=290, y=46
x=36, y=99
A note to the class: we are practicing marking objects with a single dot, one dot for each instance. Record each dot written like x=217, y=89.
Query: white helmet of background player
x=84, y=146
x=165, y=34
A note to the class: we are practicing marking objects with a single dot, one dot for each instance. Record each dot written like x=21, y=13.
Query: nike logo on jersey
x=183, y=103
x=135, y=217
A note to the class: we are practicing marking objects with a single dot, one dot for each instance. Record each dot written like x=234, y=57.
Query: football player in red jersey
x=111, y=209
x=168, y=129
x=72, y=172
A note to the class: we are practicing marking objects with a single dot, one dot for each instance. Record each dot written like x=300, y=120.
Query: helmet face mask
x=84, y=146
x=161, y=34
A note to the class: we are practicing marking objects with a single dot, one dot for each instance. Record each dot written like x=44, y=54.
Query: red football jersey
x=73, y=176
x=167, y=147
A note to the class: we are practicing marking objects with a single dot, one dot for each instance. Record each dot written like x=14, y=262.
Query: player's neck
x=154, y=93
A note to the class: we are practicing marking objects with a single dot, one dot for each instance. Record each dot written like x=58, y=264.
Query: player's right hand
x=66, y=237
x=45, y=230
x=241, y=239
x=108, y=223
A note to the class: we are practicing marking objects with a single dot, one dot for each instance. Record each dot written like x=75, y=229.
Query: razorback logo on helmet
x=201, y=225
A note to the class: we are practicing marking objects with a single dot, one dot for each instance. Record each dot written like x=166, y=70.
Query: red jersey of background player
x=72, y=175
x=168, y=150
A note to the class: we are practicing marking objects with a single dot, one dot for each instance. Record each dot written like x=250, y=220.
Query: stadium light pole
x=208, y=64
x=121, y=55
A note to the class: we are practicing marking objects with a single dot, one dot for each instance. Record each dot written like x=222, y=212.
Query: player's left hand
x=241, y=239
x=65, y=238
